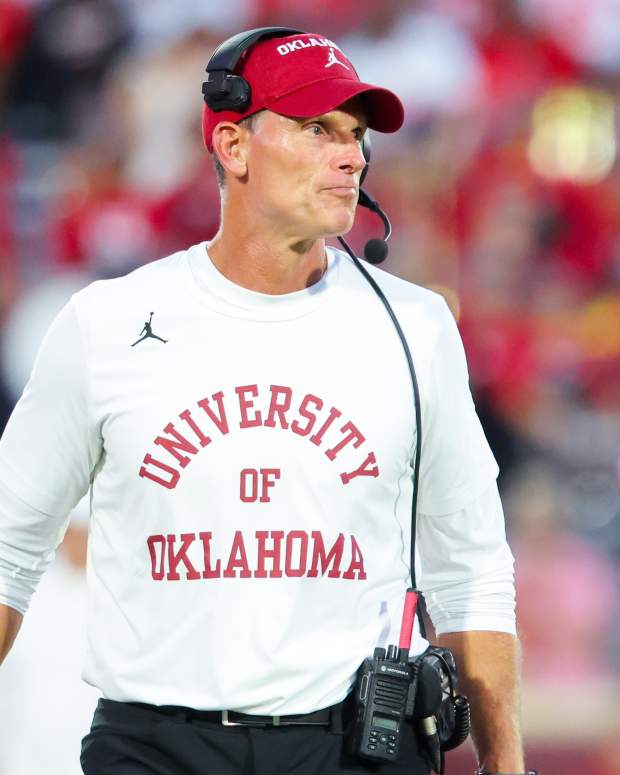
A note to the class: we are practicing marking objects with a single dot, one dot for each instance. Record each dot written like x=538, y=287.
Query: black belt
x=231, y=718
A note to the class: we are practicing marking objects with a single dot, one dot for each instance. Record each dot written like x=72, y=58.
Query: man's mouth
x=343, y=191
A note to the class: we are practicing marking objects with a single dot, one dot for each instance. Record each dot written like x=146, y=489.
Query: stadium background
x=504, y=192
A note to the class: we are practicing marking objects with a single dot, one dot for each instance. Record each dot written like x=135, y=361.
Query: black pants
x=127, y=740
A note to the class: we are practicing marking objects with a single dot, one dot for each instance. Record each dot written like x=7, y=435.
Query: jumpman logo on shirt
x=332, y=60
x=148, y=333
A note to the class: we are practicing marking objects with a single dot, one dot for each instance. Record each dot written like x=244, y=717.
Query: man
x=251, y=477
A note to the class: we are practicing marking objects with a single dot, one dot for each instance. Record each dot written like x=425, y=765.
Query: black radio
x=383, y=700
x=385, y=694
x=390, y=691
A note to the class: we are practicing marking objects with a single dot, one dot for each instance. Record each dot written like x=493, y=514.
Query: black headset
x=224, y=90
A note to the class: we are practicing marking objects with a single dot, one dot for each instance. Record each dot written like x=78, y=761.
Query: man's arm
x=465, y=567
x=469, y=594
x=47, y=452
x=10, y=622
x=489, y=666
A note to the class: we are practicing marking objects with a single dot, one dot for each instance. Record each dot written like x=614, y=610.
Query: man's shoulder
x=406, y=291
x=403, y=295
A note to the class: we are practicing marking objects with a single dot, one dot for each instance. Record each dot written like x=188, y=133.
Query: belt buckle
x=227, y=723
x=275, y=721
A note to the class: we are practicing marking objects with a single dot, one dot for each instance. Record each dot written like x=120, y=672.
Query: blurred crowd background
x=504, y=192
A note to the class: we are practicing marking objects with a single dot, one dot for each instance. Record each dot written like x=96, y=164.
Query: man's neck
x=267, y=262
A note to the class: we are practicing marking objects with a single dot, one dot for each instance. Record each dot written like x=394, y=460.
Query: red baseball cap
x=301, y=76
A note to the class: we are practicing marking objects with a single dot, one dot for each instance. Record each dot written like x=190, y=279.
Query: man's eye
x=315, y=129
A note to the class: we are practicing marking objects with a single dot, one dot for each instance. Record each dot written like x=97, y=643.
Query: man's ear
x=230, y=148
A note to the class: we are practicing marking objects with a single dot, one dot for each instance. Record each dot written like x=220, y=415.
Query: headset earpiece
x=224, y=90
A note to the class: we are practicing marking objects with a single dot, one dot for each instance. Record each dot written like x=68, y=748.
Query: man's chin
x=339, y=227
x=330, y=225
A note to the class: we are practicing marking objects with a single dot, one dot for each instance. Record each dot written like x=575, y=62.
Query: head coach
x=242, y=414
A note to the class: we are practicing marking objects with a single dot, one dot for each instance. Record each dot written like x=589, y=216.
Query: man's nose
x=351, y=159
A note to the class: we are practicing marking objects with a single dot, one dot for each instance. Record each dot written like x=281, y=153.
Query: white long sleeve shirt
x=249, y=459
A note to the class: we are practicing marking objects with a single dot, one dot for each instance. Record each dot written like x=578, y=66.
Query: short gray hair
x=249, y=123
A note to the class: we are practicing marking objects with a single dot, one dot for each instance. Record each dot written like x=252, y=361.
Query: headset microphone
x=375, y=249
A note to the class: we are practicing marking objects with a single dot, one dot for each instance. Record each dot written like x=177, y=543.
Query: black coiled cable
x=462, y=723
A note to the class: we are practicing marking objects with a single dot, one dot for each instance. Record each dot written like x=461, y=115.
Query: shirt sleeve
x=456, y=464
x=466, y=568
x=48, y=452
